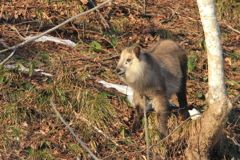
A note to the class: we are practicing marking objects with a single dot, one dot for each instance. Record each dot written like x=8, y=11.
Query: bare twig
x=220, y=23
x=234, y=140
x=101, y=16
x=173, y=131
x=54, y=28
x=230, y=27
x=4, y=43
x=157, y=143
x=76, y=31
x=111, y=58
x=70, y=129
x=5, y=60
x=169, y=134
x=15, y=29
x=235, y=99
x=146, y=127
x=173, y=13
x=97, y=129
x=144, y=7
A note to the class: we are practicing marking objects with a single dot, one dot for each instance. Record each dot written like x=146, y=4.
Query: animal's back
x=168, y=56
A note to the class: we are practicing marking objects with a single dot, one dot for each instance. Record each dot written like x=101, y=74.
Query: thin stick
x=101, y=16
x=5, y=60
x=172, y=131
x=173, y=13
x=54, y=28
x=111, y=58
x=98, y=130
x=140, y=151
x=15, y=29
x=230, y=27
x=4, y=43
x=235, y=99
x=144, y=7
x=145, y=126
x=70, y=129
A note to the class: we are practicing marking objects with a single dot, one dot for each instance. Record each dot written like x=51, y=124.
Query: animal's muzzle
x=120, y=72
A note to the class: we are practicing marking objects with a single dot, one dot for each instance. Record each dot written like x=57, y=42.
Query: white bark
x=217, y=89
x=214, y=48
x=210, y=126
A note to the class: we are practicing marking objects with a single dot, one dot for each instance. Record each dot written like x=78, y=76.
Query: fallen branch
x=173, y=13
x=101, y=16
x=4, y=43
x=70, y=129
x=235, y=99
x=230, y=27
x=5, y=60
x=97, y=129
x=52, y=29
x=146, y=127
x=111, y=58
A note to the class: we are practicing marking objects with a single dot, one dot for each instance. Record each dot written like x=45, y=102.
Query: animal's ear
x=120, y=48
x=137, y=51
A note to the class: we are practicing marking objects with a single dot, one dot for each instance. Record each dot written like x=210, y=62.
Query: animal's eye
x=128, y=60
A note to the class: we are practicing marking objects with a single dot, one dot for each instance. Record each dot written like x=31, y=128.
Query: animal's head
x=129, y=65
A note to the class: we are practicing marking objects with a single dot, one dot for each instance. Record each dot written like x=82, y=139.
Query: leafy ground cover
x=30, y=129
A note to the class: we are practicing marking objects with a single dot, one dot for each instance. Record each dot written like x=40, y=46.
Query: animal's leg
x=182, y=98
x=160, y=102
x=139, y=102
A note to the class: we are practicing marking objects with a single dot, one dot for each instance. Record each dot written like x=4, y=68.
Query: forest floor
x=101, y=117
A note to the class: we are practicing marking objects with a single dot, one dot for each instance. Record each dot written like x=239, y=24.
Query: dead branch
x=144, y=7
x=222, y=23
x=111, y=58
x=235, y=99
x=52, y=29
x=234, y=140
x=70, y=129
x=4, y=43
x=173, y=13
x=146, y=127
x=15, y=29
x=97, y=129
x=101, y=16
x=140, y=151
x=5, y=60
x=171, y=132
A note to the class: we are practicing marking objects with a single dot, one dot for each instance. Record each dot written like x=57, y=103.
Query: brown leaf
x=84, y=1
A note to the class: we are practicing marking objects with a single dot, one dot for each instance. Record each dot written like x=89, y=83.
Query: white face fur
x=129, y=67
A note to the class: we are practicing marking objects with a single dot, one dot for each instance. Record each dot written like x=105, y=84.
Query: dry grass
x=29, y=127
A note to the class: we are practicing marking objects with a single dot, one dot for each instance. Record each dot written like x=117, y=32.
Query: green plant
x=190, y=64
x=95, y=46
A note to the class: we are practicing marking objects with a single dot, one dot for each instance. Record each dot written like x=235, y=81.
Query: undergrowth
x=29, y=127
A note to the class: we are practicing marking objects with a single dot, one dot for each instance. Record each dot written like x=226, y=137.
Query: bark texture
x=206, y=131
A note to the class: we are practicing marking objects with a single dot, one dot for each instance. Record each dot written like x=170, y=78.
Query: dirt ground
x=29, y=128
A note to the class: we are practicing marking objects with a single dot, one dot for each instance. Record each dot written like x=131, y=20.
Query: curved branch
x=230, y=27
x=5, y=60
x=54, y=28
x=235, y=99
x=70, y=129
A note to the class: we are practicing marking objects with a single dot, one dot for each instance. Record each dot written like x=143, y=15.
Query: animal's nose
x=118, y=70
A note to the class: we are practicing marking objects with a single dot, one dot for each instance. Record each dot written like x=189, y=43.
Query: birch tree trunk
x=207, y=130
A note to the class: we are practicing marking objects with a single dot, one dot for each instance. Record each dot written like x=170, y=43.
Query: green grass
x=228, y=11
x=27, y=104
x=30, y=126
